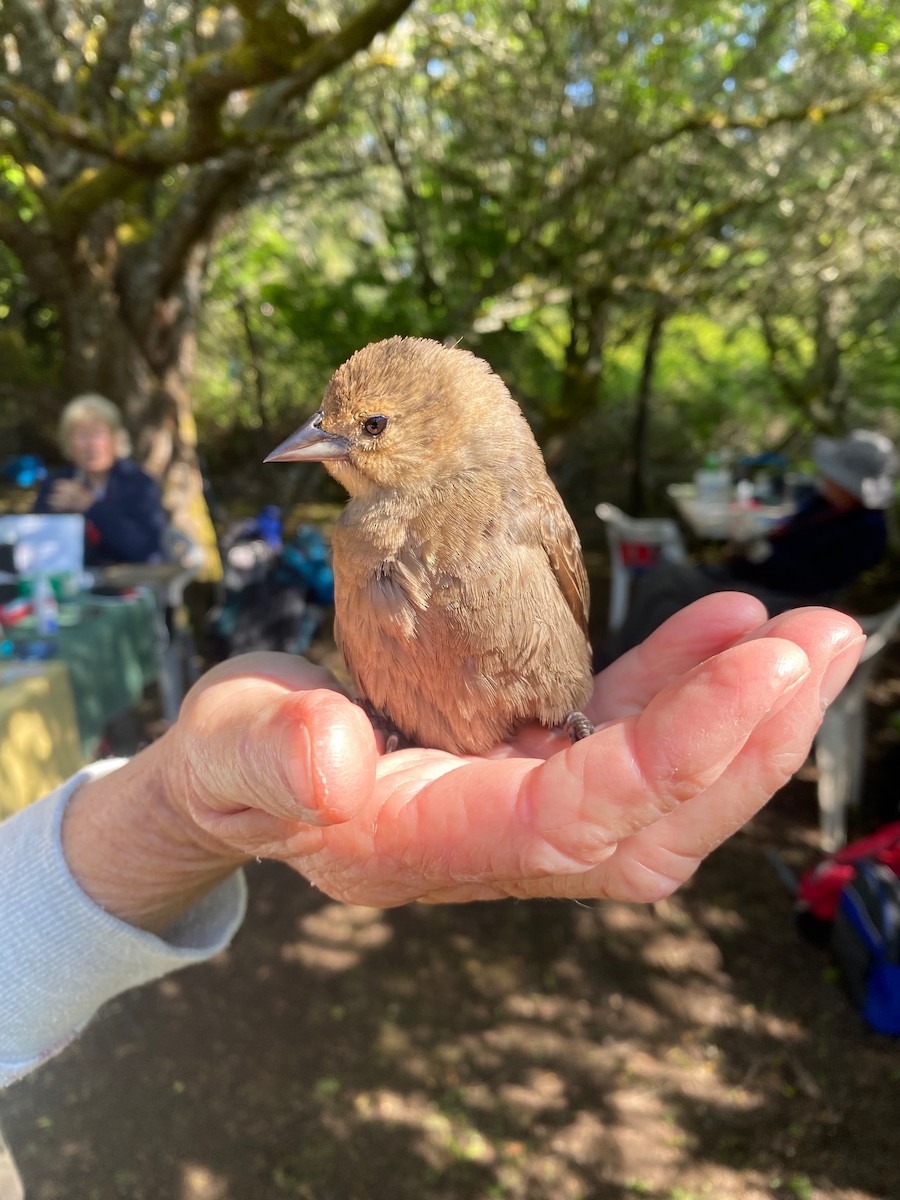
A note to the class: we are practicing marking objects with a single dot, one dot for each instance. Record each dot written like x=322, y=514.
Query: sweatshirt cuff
x=61, y=955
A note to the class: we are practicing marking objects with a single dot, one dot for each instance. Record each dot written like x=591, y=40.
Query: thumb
x=300, y=756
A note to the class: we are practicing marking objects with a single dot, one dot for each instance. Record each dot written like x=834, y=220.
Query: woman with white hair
x=124, y=516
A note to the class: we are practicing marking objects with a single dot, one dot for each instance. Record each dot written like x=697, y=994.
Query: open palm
x=697, y=728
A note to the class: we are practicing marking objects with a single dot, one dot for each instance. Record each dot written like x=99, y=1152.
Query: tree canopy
x=669, y=221
x=128, y=131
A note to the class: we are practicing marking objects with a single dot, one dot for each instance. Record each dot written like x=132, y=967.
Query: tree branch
x=34, y=250
x=717, y=123
x=34, y=39
x=418, y=219
x=27, y=107
x=326, y=54
x=203, y=207
x=280, y=34
x=790, y=388
x=93, y=188
x=810, y=111
x=113, y=51
x=145, y=154
x=152, y=270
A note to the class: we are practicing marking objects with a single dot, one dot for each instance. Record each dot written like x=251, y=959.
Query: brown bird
x=460, y=591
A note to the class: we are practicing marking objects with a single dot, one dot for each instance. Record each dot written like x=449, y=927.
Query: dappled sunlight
x=719, y=920
x=670, y=951
x=337, y=937
x=534, y=1051
x=200, y=1183
x=444, y=1138
x=441, y=1136
x=538, y=1091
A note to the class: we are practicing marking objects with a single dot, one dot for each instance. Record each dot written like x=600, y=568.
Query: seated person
x=809, y=558
x=124, y=516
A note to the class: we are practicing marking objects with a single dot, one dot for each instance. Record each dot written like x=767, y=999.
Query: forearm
x=133, y=851
x=63, y=955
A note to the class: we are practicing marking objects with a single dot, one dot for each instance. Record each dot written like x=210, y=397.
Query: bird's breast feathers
x=454, y=626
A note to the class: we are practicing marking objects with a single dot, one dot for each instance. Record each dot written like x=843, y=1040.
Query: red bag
x=820, y=887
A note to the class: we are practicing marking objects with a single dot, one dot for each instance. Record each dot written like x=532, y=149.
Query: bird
x=461, y=595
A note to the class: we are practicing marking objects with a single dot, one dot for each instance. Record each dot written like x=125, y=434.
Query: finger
x=827, y=635
x=513, y=820
x=532, y=741
x=457, y=829
x=303, y=756
x=290, y=672
x=697, y=632
x=634, y=771
x=661, y=857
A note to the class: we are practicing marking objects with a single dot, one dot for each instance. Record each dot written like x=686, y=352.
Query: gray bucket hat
x=863, y=462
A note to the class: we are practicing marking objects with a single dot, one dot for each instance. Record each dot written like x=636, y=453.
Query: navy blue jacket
x=819, y=549
x=126, y=524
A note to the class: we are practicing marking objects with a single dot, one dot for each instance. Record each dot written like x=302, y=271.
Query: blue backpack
x=866, y=943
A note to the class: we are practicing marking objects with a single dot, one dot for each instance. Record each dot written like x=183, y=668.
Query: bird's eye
x=374, y=426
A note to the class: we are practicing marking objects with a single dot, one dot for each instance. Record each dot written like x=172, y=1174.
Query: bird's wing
x=563, y=549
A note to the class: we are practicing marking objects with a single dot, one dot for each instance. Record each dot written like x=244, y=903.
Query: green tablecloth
x=110, y=648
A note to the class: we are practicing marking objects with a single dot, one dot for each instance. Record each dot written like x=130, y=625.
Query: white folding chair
x=636, y=545
x=840, y=742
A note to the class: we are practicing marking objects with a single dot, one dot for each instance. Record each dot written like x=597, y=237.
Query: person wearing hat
x=839, y=533
x=812, y=557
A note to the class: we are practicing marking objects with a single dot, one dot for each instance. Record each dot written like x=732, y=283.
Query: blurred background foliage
x=671, y=227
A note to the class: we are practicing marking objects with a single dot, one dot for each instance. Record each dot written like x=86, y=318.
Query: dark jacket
x=819, y=549
x=126, y=524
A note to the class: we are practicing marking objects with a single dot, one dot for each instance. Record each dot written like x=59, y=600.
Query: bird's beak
x=311, y=443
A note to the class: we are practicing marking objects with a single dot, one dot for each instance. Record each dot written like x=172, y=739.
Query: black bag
x=866, y=944
x=275, y=597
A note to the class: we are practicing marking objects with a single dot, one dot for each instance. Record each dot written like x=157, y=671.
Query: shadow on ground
x=535, y=1051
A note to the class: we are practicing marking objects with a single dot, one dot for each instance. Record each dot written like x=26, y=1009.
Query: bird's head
x=406, y=414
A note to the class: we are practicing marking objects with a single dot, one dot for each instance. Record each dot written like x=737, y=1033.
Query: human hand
x=699, y=727
x=70, y=496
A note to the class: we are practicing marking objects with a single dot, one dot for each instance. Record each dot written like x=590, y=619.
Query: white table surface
x=722, y=520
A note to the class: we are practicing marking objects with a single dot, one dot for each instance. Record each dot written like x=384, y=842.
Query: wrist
x=132, y=846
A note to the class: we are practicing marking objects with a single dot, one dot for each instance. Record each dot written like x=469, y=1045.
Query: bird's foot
x=577, y=726
x=394, y=738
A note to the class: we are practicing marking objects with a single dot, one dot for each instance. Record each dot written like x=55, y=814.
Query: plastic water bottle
x=742, y=524
x=46, y=610
x=269, y=524
x=713, y=481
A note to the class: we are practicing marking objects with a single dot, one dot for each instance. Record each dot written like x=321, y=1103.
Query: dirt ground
x=508, y=1051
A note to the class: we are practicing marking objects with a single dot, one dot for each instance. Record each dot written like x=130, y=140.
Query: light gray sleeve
x=61, y=956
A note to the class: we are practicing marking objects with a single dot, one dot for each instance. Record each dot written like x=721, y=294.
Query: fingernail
x=787, y=692
x=297, y=759
x=839, y=671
